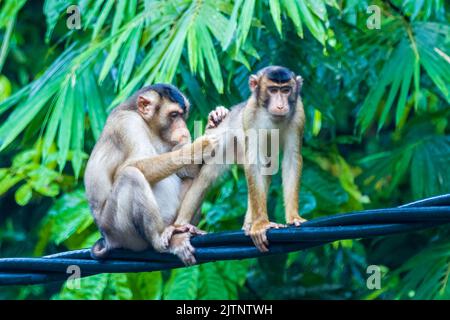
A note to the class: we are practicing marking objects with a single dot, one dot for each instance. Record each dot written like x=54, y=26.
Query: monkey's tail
x=99, y=250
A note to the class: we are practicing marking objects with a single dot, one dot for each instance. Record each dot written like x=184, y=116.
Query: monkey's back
x=103, y=163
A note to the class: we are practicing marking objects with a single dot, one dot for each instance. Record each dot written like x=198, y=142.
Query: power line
x=234, y=245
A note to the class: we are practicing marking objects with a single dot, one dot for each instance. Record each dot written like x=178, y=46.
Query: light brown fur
x=284, y=111
x=135, y=182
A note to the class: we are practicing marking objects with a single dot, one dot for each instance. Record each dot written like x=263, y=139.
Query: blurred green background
x=377, y=106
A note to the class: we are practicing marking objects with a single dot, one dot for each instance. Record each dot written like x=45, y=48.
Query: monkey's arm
x=161, y=166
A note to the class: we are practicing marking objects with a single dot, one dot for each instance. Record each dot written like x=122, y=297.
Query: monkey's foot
x=216, y=116
x=246, y=227
x=273, y=225
x=258, y=233
x=182, y=248
x=296, y=221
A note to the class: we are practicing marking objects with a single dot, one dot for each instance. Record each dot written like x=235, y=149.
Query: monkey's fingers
x=180, y=229
x=274, y=225
x=212, y=141
x=213, y=119
x=166, y=235
x=194, y=230
x=297, y=221
x=260, y=241
x=216, y=116
x=222, y=111
x=210, y=124
x=186, y=253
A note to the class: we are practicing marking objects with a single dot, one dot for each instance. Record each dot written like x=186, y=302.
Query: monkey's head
x=165, y=109
x=276, y=89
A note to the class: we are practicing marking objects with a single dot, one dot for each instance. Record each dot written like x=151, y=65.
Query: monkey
x=139, y=171
x=274, y=105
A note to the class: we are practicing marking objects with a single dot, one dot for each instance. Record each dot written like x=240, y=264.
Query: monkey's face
x=276, y=89
x=172, y=124
x=166, y=112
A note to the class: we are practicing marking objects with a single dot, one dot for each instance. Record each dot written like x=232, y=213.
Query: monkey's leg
x=248, y=216
x=257, y=196
x=194, y=196
x=134, y=217
x=291, y=174
x=119, y=217
x=191, y=227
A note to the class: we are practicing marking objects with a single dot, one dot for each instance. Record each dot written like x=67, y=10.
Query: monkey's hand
x=258, y=231
x=170, y=231
x=203, y=147
x=180, y=246
x=216, y=116
x=167, y=234
x=193, y=230
x=295, y=219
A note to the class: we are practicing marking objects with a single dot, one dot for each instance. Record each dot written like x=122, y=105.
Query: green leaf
x=245, y=21
x=212, y=286
x=318, y=7
x=95, y=104
x=9, y=10
x=146, y=286
x=183, y=284
x=23, y=194
x=91, y=288
x=52, y=11
x=65, y=128
x=326, y=189
x=275, y=11
x=77, y=143
x=102, y=18
x=292, y=11
x=312, y=22
x=430, y=172
x=69, y=215
x=118, y=288
x=118, y=15
x=113, y=54
x=129, y=55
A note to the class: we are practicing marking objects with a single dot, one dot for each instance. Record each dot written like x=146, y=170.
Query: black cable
x=234, y=245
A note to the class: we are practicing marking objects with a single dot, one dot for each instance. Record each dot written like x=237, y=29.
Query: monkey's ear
x=299, y=81
x=253, y=82
x=147, y=103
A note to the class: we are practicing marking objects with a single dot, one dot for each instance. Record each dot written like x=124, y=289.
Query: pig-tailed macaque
x=139, y=172
x=273, y=116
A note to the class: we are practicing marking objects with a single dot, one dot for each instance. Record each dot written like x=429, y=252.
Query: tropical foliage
x=377, y=106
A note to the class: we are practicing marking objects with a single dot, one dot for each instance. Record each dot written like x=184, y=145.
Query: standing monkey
x=135, y=182
x=274, y=103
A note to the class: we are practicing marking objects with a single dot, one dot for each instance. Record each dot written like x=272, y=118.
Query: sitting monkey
x=274, y=109
x=134, y=179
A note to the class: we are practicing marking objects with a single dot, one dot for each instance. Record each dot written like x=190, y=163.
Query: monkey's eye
x=286, y=90
x=273, y=90
x=174, y=114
